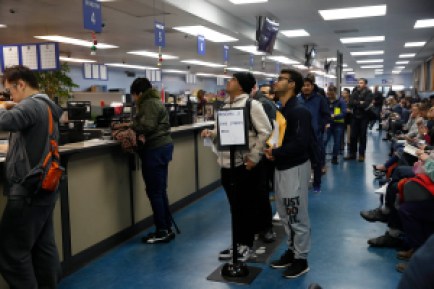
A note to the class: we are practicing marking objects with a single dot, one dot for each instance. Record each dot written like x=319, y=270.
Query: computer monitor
x=79, y=110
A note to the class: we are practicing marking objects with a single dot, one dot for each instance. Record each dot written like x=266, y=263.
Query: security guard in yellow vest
x=337, y=108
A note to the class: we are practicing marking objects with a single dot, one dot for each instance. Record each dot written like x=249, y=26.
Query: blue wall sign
x=201, y=48
x=92, y=17
x=159, y=34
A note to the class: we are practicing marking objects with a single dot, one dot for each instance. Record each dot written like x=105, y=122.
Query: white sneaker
x=276, y=217
x=244, y=253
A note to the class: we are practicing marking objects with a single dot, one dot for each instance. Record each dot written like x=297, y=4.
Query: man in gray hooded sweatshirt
x=28, y=253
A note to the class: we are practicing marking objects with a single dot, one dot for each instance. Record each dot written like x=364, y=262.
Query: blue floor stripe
x=340, y=257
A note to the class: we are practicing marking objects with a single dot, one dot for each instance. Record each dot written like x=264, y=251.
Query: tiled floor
x=340, y=257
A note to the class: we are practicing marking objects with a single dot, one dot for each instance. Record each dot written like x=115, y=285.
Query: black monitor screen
x=79, y=110
x=267, y=35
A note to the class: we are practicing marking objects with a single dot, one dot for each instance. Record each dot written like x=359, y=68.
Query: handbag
x=128, y=138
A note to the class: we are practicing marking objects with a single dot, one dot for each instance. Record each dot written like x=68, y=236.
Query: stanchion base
x=236, y=270
x=217, y=275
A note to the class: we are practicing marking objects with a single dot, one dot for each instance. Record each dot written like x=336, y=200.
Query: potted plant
x=56, y=83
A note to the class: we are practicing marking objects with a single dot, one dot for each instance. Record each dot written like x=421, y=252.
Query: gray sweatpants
x=291, y=187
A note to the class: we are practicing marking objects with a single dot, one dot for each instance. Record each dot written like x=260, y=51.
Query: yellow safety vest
x=337, y=111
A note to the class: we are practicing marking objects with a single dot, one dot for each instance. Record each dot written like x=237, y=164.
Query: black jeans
x=155, y=165
x=245, y=190
x=28, y=253
x=359, y=127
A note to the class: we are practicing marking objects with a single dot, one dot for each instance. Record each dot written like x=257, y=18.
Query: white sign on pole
x=231, y=127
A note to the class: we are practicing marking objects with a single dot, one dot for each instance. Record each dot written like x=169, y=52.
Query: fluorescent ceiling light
x=396, y=71
x=362, y=39
x=202, y=63
x=79, y=60
x=261, y=73
x=295, y=33
x=282, y=59
x=402, y=62
x=378, y=72
x=237, y=69
x=370, y=61
x=414, y=44
x=350, y=72
x=344, y=65
x=249, y=49
x=2, y=26
x=424, y=23
x=208, y=33
x=330, y=76
x=371, y=66
x=152, y=54
x=399, y=67
x=347, y=69
x=212, y=75
x=238, y=2
x=74, y=41
x=300, y=66
x=106, y=0
x=353, y=12
x=363, y=53
x=124, y=65
x=174, y=71
x=319, y=72
x=408, y=55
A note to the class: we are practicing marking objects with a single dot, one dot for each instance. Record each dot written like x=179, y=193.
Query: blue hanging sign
x=201, y=48
x=225, y=53
x=278, y=67
x=92, y=17
x=251, y=60
x=159, y=34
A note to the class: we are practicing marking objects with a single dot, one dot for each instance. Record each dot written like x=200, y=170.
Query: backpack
x=249, y=108
x=51, y=170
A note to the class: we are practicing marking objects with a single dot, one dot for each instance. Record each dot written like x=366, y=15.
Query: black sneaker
x=350, y=157
x=160, y=236
x=268, y=236
x=375, y=215
x=285, y=260
x=298, y=268
x=386, y=241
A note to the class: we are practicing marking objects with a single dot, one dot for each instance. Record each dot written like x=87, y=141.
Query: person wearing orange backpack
x=28, y=253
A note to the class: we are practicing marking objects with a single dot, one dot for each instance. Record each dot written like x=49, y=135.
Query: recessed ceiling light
x=350, y=72
x=237, y=2
x=174, y=71
x=408, y=55
x=362, y=39
x=402, y=62
x=283, y=59
x=424, y=23
x=330, y=76
x=347, y=69
x=344, y=65
x=295, y=33
x=414, y=44
x=249, y=49
x=370, y=61
x=399, y=67
x=152, y=54
x=208, y=33
x=371, y=66
x=124, y=65
x=365, y=53
x=2, y=26
x=202, y=63
x=396, y=71
x=237, y=69
x=353, y=12
x=74, y=41
x=79, y=60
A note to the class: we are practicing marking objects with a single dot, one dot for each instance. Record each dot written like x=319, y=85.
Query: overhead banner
x=201, y=48
x=92, y=17
x=251, y=60
x=225, y=53
x=159, y=34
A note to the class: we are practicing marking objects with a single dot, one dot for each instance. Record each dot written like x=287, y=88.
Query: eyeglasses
x=280, y=78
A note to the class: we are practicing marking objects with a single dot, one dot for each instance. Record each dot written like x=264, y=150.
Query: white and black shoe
x=244, y=253
x=160, y=236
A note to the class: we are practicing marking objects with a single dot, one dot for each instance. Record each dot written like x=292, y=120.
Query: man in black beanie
x=249, y=174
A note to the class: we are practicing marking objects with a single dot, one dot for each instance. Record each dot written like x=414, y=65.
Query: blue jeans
x=155, y=165
x=335, y=130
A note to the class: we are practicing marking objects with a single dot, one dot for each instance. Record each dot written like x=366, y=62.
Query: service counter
x=103, y=201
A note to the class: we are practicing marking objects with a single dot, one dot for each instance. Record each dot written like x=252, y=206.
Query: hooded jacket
x=152, y=120
x=28, y=123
